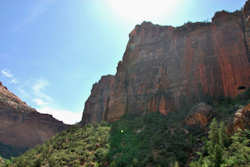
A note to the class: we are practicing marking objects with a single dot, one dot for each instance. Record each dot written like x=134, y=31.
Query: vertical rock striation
x=166, y=68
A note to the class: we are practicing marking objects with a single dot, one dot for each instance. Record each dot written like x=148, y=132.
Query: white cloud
x=14, y=81
x=66, y=116
x=39, y=102
x=38, y=89
x=6, y=73
x=36, y=95
x=43, y=103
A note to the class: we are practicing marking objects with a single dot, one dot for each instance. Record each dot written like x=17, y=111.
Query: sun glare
x=140, y=10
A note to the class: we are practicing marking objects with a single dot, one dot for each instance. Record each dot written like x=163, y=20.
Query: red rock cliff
x=165, y=68
x=23, y=126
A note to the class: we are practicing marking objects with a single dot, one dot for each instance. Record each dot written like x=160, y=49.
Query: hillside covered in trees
x=149, y=140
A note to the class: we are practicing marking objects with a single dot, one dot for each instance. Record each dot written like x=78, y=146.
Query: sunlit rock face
x=23, y=126
x=166, y=68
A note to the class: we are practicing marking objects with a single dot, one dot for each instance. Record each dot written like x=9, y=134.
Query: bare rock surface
x=242, y=118
x=201, y=114
x=23, y=126
x=166, y=68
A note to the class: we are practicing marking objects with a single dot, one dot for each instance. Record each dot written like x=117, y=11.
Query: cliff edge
x=167, y=68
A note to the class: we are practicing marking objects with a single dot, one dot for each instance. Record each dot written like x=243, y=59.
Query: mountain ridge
x=21, y=125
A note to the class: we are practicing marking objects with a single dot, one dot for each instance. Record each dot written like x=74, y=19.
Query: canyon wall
x=167, y=68
x=23, y=126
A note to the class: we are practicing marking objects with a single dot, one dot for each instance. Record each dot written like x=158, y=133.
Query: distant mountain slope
x=167, y=68
x=22, y=126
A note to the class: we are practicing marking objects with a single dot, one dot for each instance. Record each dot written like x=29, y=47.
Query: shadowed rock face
x=166, y=68
x=23, y=126
x=201, y=114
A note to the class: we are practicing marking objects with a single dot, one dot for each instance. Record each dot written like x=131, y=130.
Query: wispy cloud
x=40, y=7
x=44, y=104
x=14, y=81
x=34, y=92
x=6, y=73
x=39, y=102
x=38, y=90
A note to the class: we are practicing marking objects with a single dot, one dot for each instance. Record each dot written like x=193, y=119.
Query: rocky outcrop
x=242, y=118
x=201, y=115
x=23, y=126
x=166, y=68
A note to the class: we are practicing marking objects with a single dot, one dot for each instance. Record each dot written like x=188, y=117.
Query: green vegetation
x=225, y=107
x=74, y=147
x=148, y=140
x=139, y=141
x=7, y=151
x=221, y=150
x=133, y=141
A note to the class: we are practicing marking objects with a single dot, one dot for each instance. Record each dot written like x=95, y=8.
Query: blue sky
x=53, y=51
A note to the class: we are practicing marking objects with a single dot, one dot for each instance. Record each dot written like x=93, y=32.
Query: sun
x=143, y=10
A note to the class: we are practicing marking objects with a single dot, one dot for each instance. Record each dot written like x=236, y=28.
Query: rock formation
x=23, y=126
x=242, y=118
x=166, y=68
x=201, y=114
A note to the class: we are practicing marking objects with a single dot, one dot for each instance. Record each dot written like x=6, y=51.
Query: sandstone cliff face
x=23, y=126
x=166, y=68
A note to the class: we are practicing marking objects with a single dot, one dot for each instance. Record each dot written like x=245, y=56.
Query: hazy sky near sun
x=53, y=51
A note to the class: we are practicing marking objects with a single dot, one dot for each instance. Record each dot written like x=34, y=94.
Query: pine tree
x=214, y=147
x=222, y=151
x=238, y=153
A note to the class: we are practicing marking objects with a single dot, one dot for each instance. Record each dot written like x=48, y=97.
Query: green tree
x=216, y=144
x=214, y=147
x=220, y=150
x=238, y=153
